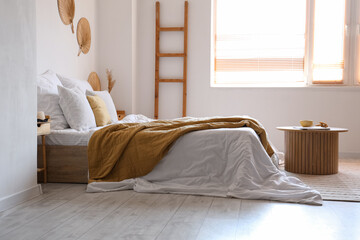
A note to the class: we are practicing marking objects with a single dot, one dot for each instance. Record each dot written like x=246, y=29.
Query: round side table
x=312, y=151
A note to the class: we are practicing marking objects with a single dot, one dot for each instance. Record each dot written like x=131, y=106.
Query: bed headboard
x=94, y=81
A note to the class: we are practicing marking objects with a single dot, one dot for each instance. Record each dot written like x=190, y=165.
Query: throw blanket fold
x=130, y=150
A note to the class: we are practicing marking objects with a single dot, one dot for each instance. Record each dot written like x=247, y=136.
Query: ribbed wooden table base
x=311, y=152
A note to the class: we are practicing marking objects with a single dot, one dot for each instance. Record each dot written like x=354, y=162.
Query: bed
x=218, y=162
x=66, y=148
x=66, y=152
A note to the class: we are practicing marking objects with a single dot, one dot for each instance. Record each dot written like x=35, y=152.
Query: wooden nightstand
x=42, y=131
x=121, y=114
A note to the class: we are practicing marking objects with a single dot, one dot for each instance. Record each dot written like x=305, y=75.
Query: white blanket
x=220, y=162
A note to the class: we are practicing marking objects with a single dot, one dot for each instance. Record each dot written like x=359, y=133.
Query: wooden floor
x=65, y=211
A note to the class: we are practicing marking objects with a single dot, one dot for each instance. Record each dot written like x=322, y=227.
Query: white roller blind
x=259, y=40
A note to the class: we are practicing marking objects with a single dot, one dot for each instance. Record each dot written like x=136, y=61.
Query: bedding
x=101, y=114
x=72, y=137
x=218, y=162
x=76, y=108
x=48, y=99
x=131, y=150
x=74, y=83
x=69, y=137
x=105, y=95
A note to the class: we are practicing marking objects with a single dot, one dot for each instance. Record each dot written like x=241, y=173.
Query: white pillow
x=73, y=83
x=76, y=109
x=105, y=95
x=48, y=80
x=48, y=99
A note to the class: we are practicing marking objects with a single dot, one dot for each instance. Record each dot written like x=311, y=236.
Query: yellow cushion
x=102, y=116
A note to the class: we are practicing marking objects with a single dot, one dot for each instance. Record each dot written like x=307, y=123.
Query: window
x=356, y=39
x=328, y=43
x=282, y=42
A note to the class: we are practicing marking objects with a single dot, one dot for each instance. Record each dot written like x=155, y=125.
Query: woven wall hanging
x=83, y=35
x=94, y=81
x=67, y=11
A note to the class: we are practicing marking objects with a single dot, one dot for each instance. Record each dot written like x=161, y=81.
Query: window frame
x=351, y=42
x=355, y=42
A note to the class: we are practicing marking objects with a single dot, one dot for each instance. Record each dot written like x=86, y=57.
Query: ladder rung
x=169, y=29
x=171, y=55
x=171, y=80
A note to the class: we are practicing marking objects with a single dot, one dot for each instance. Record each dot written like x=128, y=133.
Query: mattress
x=72, y=137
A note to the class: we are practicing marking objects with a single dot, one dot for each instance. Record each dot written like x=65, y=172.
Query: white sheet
x=221, y=162
x=72, y=137
x=69, y=137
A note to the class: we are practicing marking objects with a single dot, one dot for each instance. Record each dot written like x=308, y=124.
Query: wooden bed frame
x=65, y=164
x=68, y=164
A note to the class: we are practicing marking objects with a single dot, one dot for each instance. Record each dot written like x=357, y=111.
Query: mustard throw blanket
x=131, y=150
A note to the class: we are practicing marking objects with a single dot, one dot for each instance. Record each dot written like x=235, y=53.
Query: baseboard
x=349, y=155
x=342, y=155
x=17, y=198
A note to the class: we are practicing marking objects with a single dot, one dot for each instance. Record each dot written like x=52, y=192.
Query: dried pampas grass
x=111, y=82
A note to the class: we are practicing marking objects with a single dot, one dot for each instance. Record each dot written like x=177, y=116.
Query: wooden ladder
x=158, y=55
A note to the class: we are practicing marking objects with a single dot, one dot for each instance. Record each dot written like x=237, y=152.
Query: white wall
x=115, y=49
x=18, y=180
x=57, y=45
x=170, y=94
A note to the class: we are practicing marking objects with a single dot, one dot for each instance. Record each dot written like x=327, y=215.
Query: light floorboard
x=223, y=212
x=65, y=211
x=188, y=219
x=49, y=190
x=79, y=224
x=122, y=218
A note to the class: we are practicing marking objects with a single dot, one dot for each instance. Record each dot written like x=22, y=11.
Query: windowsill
x=258, y=85
x=291, y=85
